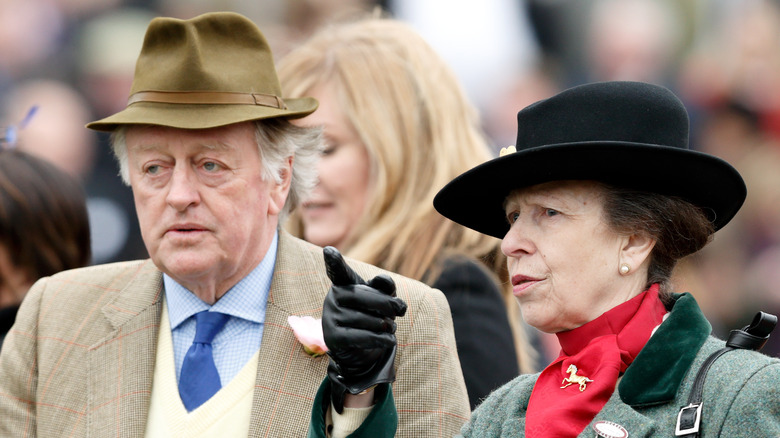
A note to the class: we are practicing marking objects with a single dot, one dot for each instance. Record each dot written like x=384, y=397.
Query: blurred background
x=74, y=59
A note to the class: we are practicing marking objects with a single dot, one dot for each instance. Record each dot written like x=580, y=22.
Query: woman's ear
x=636, y=250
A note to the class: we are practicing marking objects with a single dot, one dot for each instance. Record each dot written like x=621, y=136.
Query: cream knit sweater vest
x=226, y=414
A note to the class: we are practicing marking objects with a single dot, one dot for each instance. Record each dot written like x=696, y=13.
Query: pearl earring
x=624, y=268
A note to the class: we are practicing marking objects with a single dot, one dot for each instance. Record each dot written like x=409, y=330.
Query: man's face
x=207, y=216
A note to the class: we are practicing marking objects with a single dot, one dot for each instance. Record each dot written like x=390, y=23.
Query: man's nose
x=183, y=190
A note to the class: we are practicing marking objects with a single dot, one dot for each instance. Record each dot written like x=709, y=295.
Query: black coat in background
x=484, y=338
x=7, y=317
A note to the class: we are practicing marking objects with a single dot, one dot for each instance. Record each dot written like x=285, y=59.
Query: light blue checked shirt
x=245, y=302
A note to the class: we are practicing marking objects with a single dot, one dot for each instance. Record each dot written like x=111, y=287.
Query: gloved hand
x=358, y=324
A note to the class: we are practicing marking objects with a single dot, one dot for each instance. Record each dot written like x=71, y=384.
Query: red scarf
x=600, y=351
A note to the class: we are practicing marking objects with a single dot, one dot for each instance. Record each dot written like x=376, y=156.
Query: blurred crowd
x=74, y=60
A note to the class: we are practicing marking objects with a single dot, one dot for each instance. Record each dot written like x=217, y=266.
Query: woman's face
x=563, y=258
x=340, y=198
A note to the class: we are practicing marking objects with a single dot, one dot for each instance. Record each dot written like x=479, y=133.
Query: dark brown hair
x=43, y=215
x=678, y=227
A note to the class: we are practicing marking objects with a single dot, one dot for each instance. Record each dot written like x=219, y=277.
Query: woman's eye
x=329, y=149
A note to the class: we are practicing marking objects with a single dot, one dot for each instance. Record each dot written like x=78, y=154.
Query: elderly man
x=196, y=341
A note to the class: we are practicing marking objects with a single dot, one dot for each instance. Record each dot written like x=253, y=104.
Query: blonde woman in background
x=398, y=127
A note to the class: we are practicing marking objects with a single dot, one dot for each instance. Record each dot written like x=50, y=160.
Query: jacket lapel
x=287, y=378
x=121, y=365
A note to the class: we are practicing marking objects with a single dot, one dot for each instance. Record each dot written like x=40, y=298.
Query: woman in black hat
x=596, y=203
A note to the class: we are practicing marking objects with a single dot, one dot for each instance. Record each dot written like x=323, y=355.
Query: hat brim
x=200, y=116
x=475, y=199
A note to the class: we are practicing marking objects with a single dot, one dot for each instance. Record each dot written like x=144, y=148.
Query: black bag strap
x=751, y=337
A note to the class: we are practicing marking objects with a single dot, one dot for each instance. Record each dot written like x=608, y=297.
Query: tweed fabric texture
x=80, y=359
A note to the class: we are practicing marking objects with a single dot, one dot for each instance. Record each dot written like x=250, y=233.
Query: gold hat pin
x=507, y=150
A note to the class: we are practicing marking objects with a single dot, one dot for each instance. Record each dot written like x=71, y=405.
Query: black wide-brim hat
x=627, y=134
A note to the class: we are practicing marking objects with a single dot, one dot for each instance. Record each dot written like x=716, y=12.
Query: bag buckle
x=688, y=420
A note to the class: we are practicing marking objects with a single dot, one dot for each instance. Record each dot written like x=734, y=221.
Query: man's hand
x=358, y=322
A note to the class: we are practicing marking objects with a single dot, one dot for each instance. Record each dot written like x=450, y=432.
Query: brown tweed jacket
x=79, y=361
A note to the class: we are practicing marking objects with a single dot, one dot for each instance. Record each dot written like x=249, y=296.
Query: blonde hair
x=420, y=132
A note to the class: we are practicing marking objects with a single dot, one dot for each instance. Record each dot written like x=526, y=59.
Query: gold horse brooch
x=573, y=378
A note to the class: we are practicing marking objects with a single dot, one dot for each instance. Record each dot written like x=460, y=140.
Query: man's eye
x=210, y=166
x=153, y=169
x=512, y=217
x=550, y=212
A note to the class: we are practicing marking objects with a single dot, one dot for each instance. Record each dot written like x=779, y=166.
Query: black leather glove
x=358, y=323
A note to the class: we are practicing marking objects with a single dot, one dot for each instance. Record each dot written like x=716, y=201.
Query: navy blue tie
x=199, y=378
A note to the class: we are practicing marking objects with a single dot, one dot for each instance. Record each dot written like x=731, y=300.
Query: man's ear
x=279, y=192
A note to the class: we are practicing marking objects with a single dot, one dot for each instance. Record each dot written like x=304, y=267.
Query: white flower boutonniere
x=308, y=331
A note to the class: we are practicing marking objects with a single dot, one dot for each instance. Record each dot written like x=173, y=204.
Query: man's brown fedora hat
x=627, y=134
x=213, y=70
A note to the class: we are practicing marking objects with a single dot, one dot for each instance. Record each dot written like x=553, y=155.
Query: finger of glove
x=384, y=284
x=346, y=339
x=349, y=331
x=338, y=271
x=359, y=320
x=367, y=300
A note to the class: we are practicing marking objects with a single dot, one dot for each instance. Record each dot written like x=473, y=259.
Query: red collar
x=572, y=389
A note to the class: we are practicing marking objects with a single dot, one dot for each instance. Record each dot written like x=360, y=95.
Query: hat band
x=207, y=98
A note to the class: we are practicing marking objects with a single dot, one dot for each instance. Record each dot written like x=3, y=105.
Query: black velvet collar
x=655, y=375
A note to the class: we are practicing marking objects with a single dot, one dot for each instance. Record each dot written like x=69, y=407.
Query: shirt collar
x=246, y=299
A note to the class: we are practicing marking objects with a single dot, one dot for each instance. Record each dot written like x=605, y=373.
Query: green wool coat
x=741, y=394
